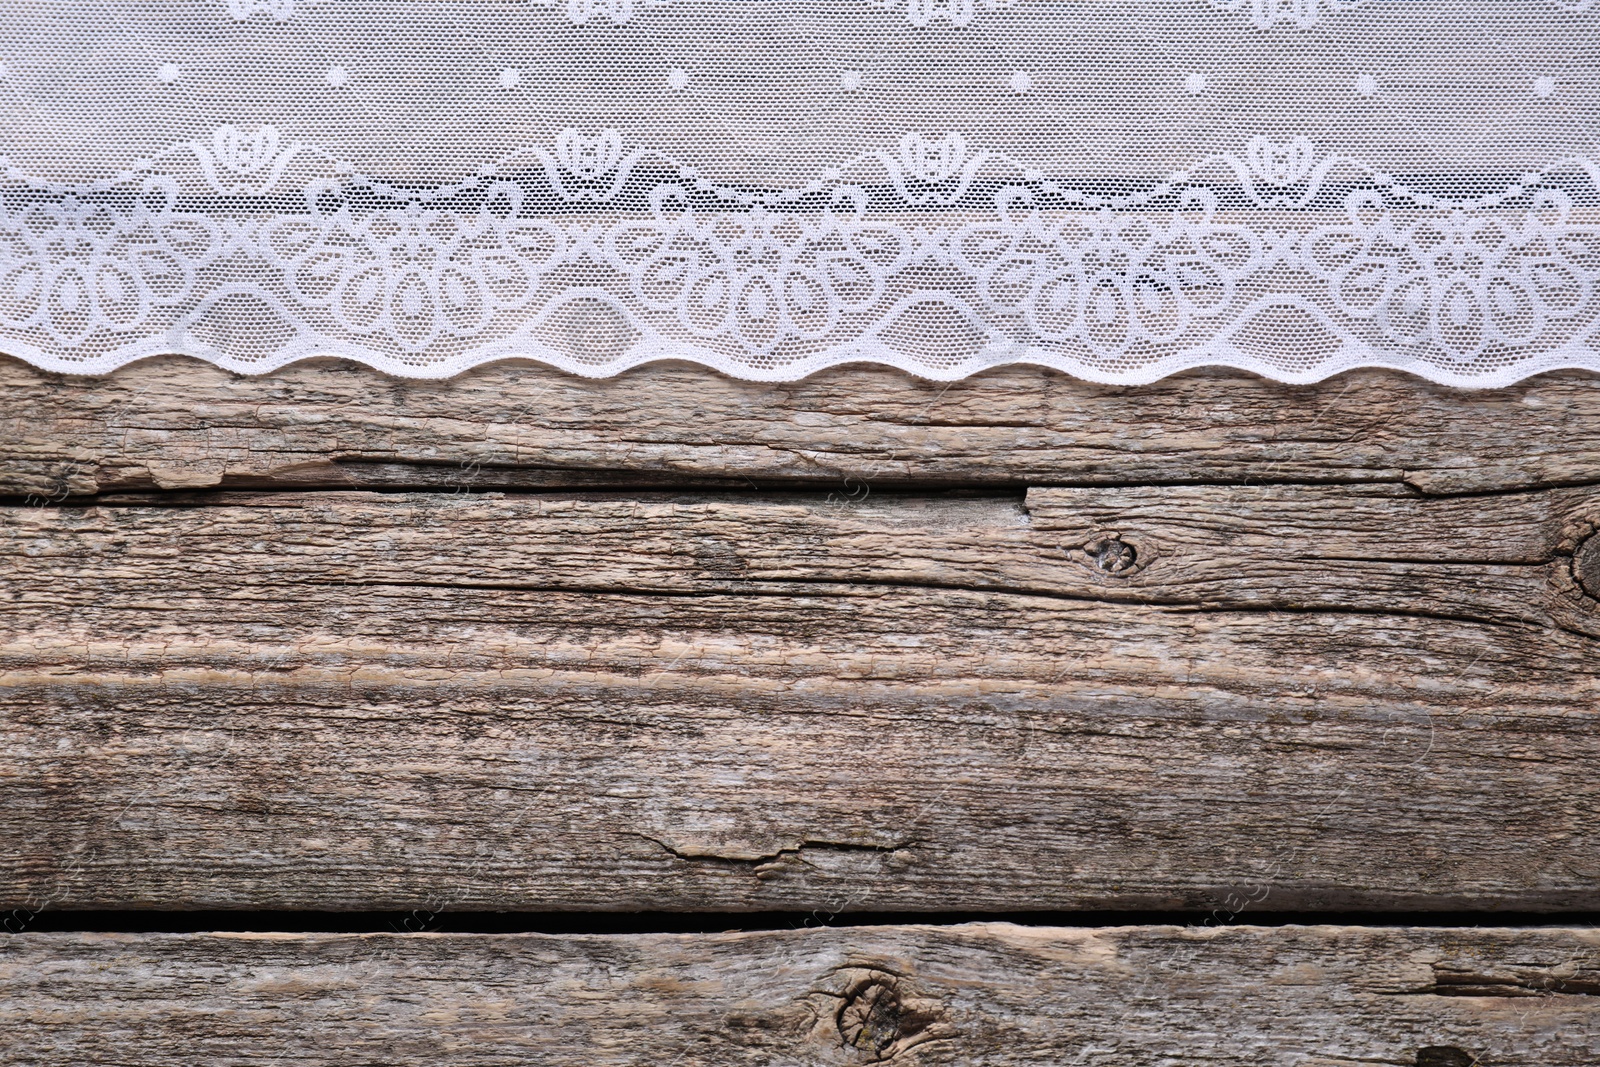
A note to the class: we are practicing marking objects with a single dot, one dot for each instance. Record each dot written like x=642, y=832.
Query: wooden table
x=353, y=720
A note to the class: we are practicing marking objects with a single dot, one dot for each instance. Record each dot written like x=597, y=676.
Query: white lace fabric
x=1116, y=188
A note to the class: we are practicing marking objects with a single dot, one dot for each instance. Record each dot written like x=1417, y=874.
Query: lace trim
x=917, y=12
x=252, y=251
x=1304, y=14
x=1263, y=14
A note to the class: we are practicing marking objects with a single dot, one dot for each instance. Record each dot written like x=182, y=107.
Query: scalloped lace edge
x=1060, y=259
x=1211, y=356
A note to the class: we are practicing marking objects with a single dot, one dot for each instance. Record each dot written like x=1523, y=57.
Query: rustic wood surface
x=176, y=423
x=1315, y=996
x=520, y=641
x=801, y=694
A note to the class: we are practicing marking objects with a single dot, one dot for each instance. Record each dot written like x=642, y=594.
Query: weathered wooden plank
x=180, y=423
x=1501, y=558
x=379, y=701
x=994, y=994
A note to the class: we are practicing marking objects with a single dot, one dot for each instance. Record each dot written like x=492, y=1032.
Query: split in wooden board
x=177, y=423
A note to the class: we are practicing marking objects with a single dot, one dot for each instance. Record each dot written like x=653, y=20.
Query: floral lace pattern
x=917, y=12
x=582, y=11
x=595, y=255
x=1304, y=14
x=955, y=12
x=1119, y=189
x=1263, y=14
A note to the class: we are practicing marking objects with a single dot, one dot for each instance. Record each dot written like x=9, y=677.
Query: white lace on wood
x=920, y=186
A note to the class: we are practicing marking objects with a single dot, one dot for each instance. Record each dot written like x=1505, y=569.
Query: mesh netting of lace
x=1119, y=189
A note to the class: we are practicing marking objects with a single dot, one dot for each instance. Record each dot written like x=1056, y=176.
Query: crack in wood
x=806, y=586
x=758, y=860
x=1446, y=1056
x=176, y=420
x=1543, y=984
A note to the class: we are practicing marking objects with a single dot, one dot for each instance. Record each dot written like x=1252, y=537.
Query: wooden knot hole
x=1446, y=1056
x=1586, y=565
x=1112, y=555
x=875, y=1017
x=870, y=1016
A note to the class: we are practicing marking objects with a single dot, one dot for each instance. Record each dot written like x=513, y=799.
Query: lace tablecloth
x=1118, y=189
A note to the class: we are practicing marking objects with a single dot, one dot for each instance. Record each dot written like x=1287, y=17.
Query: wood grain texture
x=180, y=423
x=1290, y=697
x=990, y=994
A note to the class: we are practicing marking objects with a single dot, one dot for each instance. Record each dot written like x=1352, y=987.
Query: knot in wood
x=878, y=1017
x=1586, y=565
x=1112, y=555
x=870, y=1016
x=875, y=1014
